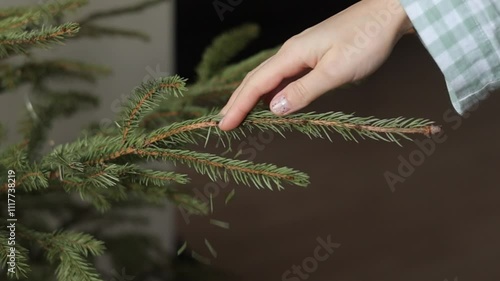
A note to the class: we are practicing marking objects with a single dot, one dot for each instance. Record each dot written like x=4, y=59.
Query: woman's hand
x=342, y=49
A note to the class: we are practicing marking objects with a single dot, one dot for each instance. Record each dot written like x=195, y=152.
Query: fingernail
x=280, y=105
x=221, y=121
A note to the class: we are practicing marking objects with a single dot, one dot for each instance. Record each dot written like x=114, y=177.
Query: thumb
x=302, y=92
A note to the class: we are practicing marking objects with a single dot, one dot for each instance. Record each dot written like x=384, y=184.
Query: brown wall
x=442, y=222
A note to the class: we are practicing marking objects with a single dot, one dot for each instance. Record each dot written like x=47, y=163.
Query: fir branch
x=224, y=48
x=34, y=179
x=235, y=72
x=21, y=263
x=35, y=13
x=82, y=243
x=347, y=125
x=219, y=87
x=97, y=31
x=214, y=166
x=38, y=72
x=94, y=183
x=14, y=11
x=178, y=132
x=16, y=23
x=146, y=98
x=317, y=125
x=19, y=42
x=54, y=9
x=73, y=267
x=148, y=177
x=242, y=171
x=120, y=11
x=88, y=151
x=15, y=157
x=94, y=177
x=95, y=197
x=153, y=144
x=70, y=250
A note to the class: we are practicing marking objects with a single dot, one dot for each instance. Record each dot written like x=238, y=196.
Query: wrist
x=404, y=24
x=398, y=21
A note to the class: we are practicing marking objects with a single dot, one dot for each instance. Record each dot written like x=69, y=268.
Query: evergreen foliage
x=84, y=181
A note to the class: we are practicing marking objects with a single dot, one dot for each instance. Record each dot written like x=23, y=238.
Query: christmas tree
x=50, y=191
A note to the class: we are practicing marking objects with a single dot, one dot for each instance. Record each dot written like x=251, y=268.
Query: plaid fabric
x=463, y=37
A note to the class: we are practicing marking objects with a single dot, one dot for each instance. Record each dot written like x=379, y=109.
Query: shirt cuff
x=463, y=37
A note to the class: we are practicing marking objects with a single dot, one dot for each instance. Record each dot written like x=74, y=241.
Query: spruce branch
x=22, y=268
x=35, y=179
x=16, y=23
x=219, y=87
x=224, y=48
x=242, y=171
x=14, y=11
x=106, y=169
x=149, y=177
x=98, y=31
x=19, y=42
x=38, y=71
x=214, y=166
x=15, y=157
x=146, y=98
x=50, y=9
x=70, y=250
x=234, y=73
x=317, y=125
x=55, y=9
x=121, y=11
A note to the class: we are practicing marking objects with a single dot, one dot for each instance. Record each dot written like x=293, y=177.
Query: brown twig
x=424, y=130
x=186, y=128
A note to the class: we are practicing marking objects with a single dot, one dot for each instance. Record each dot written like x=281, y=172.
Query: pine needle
x=221, y=224
x=210, y=248
x=182, y=248
x=230, y=196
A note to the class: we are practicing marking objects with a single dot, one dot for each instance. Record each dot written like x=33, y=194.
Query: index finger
x=236, y=92
x=262, y=81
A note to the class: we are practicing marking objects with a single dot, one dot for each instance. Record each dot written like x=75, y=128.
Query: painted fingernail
x=280, y=105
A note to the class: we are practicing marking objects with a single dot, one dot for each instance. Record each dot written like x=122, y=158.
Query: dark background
x=442, y=223
x=198, y=23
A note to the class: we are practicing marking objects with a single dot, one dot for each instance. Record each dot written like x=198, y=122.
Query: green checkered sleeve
x=463, y=37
